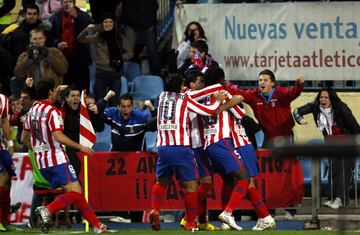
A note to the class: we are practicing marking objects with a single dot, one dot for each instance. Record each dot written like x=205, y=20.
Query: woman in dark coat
x=335, y=120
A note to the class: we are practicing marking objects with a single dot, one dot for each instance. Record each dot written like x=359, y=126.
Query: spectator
x=271, y=107
x=200, y=58
x=41, y=62
x=66, y=26
x=17, y=41
x=128, y=124
x=193, y=32
x=48, y=8
x=15, y=107
x=70, y=111
x=139, y=19
x=111, y=51
x=27, y=98
x=271, y=104
x=335, y=120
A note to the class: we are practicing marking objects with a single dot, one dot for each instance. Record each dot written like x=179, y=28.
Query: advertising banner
x=317, y=39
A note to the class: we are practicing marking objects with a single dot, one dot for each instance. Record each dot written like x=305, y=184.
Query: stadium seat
x=147, y=86
x=131, y=71
x=150, y=140
x=124, y=85
x=105, y=135
x=102, y=147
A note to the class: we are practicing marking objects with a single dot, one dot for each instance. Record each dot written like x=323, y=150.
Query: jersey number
x=35, y=126
x=167, y=111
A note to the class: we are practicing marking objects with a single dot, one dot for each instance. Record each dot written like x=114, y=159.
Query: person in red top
x=271, y=104
x=43, y=133
x=271, y=107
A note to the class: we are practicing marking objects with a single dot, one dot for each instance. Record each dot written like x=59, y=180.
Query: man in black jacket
x=70, y=110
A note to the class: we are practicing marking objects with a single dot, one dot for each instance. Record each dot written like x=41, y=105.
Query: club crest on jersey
x=167, y=127
x=60, y=120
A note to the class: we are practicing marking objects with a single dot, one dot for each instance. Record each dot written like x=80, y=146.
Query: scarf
x=113, y=48
x=325, y=120
x=68, y=33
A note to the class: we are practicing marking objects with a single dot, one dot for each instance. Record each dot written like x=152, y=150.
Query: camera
x=192, y=35
x=32, y=46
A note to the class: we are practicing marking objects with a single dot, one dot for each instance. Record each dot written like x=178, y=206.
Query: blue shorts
x=6, y=163
x=176, y=159
x=249, y=158
x=203, y=162
x=224, y=157
x=59, y=175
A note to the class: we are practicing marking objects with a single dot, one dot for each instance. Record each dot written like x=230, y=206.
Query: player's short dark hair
x=201, y=45
x=214, y=75
x=191, y=77
x=270, y=73
x=29, y=91
x=32, y=6
x=72, y=87
x=126, y=96
x=42, y=89
x=173, y=83
x=38, y=29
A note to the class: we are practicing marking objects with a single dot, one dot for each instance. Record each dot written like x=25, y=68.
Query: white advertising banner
x=22, y=188
x=319, y=40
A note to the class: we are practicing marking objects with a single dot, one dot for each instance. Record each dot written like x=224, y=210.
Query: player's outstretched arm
x=7, y=133
x=235, y=100
x=63, y=139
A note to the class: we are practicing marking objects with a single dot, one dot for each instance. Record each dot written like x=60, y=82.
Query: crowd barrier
x=123, y=180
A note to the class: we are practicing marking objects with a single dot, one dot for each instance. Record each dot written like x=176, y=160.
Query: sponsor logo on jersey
x=167, y=127
x=210, y=131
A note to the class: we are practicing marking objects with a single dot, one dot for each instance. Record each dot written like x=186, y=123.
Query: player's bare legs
x=73, y=195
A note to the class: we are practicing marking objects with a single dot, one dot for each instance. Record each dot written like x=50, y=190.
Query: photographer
x=41, y=62
x=111, y=50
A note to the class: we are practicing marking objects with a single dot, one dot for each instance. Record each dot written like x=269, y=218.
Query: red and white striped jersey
x=219, y=126
x=41, y=120
x=196, y=127
x=4, y=111
x=238, y=134
x=173, y=117
x=196, y=124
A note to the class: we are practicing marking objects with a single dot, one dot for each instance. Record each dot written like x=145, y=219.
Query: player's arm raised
x=201, y=94
x=63, y=139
